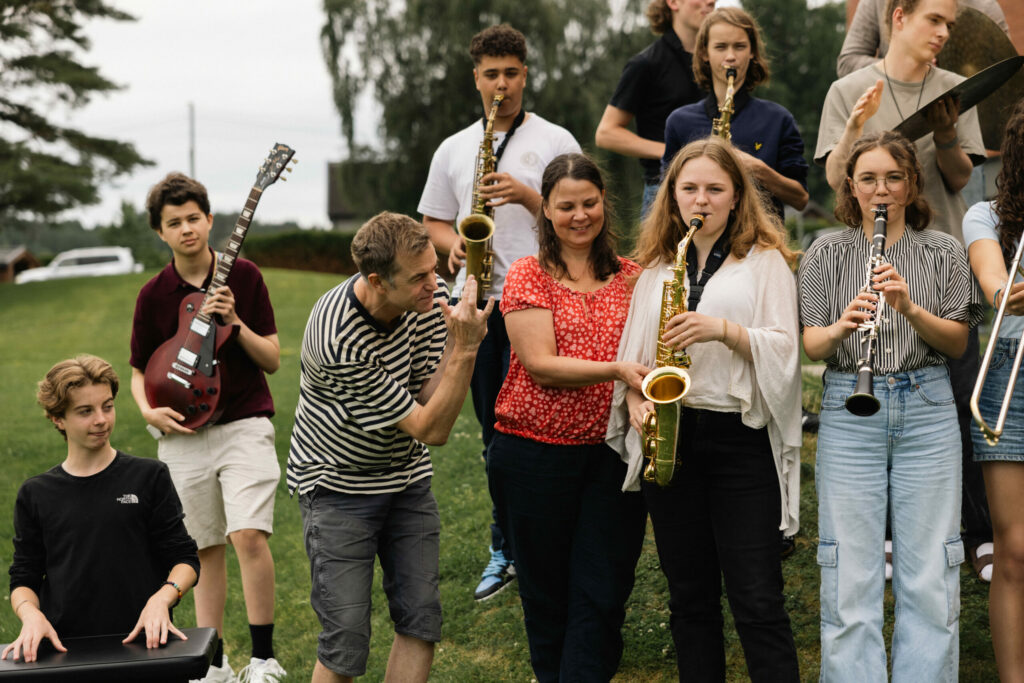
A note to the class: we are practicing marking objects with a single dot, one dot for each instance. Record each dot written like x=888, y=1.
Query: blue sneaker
x=498, y=573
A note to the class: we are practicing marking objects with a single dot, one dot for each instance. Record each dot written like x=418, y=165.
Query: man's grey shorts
x=343, y=534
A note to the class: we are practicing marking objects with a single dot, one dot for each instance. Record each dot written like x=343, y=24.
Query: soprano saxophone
x=669, y=382
x=722, y=127
x=477, y=229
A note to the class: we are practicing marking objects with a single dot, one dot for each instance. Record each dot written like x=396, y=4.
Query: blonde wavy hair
x=750, y=223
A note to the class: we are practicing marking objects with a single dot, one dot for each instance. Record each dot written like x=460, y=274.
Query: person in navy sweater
x=764, y=133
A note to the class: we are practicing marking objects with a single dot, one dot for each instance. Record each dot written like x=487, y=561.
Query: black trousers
x=720, y=518
x=576, y=538
x=975, y=517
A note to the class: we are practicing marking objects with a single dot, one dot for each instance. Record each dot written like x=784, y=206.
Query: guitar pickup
x=183, y=382
x=199, y=327
x=188, y=358
x=182, y=369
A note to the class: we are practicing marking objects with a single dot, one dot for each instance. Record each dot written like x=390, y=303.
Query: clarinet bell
x=862, y=401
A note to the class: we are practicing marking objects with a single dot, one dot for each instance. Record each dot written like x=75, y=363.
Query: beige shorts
x=226, y=476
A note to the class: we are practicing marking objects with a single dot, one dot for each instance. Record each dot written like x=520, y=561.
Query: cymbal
x=975, y=43
x=968, y=93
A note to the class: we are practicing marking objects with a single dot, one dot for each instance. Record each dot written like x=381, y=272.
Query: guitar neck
x=234, y=245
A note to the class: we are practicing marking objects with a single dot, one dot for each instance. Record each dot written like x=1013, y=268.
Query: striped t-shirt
x=935, y=267
x=359, y=378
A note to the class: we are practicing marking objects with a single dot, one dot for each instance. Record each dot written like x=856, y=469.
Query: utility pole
x=191, y=140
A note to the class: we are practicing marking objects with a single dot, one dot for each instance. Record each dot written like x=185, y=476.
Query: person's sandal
x=888, y=560
x=981, y=560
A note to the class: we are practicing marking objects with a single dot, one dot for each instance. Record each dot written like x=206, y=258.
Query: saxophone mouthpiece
x=698, y=220
x=730, y=72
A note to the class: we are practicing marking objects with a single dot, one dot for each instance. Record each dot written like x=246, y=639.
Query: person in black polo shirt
x=764, y=133
x=99, y=543
x=653, y=84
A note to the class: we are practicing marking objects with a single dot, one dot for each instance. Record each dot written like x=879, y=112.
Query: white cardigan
x=759, y=293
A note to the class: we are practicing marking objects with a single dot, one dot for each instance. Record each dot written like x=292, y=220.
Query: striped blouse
x=359, y=378
x=935, y=267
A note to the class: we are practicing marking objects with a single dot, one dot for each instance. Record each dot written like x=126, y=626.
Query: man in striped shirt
x=386, y=364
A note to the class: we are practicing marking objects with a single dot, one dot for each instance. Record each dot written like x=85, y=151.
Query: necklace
x=893, y=92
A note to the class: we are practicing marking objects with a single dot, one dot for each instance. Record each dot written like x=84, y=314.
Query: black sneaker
x=788, y=546
x=809, y=422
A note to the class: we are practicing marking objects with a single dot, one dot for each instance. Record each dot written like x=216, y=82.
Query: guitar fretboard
x=234, y=245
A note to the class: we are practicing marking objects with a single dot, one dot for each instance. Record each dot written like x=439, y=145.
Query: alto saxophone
x=721, y=127
x=669, y=382
x=477, y=229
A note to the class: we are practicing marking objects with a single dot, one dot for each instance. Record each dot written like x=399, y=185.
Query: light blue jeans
x=904, y=459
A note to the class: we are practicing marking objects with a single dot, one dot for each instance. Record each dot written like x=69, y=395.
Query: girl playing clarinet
x=905, y=457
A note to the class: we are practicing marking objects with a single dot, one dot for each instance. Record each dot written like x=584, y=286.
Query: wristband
x=947, y=145
x=175, y=587
x=995, y=299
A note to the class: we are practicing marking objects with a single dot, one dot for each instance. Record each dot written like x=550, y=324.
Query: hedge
x=319, y=250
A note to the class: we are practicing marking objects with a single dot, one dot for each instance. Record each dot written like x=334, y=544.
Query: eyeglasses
x=894, y=182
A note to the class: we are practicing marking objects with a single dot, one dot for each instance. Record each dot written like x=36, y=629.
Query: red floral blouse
x=587, y=325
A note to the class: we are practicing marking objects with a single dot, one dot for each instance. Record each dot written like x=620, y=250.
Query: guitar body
x=183, y=373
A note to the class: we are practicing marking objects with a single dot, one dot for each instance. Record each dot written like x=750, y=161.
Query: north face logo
x=128, y=499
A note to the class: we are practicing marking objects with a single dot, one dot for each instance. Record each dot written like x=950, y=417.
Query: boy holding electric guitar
x=203, y=336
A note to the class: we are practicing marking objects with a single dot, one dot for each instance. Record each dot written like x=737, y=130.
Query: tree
x=45, y=167
x=413, y=57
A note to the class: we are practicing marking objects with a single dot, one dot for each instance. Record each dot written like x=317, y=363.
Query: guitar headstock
x=274, y=165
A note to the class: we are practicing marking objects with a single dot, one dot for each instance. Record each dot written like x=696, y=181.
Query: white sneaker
x=262, y=671
x=218, y=674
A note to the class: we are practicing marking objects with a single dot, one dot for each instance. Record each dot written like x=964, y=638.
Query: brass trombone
x=992, y=434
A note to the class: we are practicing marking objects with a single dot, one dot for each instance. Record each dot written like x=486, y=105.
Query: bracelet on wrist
x=725, y=332
x=175, y=587
x=947, y=145
x=995, y=298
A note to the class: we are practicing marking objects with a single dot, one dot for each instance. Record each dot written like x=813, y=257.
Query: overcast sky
x=254, y=72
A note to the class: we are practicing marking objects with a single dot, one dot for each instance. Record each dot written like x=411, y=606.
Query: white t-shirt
x=980, y=223
x=448, y=192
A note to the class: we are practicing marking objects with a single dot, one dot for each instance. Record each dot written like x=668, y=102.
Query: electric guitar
x=184, y=373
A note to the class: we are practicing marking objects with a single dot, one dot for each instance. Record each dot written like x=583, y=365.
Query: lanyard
x=508, y=136
x=715, y=259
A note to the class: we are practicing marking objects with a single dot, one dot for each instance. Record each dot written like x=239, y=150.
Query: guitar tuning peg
x=283, y=179
x=295, y=160
x=289, y=169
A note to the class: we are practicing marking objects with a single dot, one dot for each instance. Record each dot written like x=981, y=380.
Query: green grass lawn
x=46, y=322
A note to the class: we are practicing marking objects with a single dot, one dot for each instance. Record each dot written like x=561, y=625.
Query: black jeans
x=721, y=518
x=492, y=359
x=975, y=517
x=576, y=538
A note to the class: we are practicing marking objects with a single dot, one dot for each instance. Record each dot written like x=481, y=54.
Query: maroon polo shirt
x=244, y=391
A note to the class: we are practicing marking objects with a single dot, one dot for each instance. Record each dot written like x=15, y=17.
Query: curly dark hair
x=603, y=260
x=1010, y=184
x=175, y=189
x=498, y=41
x=757, y=71
x=659, y=16
x=918, y=213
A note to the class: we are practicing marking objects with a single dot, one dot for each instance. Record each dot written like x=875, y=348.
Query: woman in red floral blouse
x=575, y=536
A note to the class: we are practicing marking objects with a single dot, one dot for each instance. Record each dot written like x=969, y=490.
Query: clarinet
x=862, y=401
